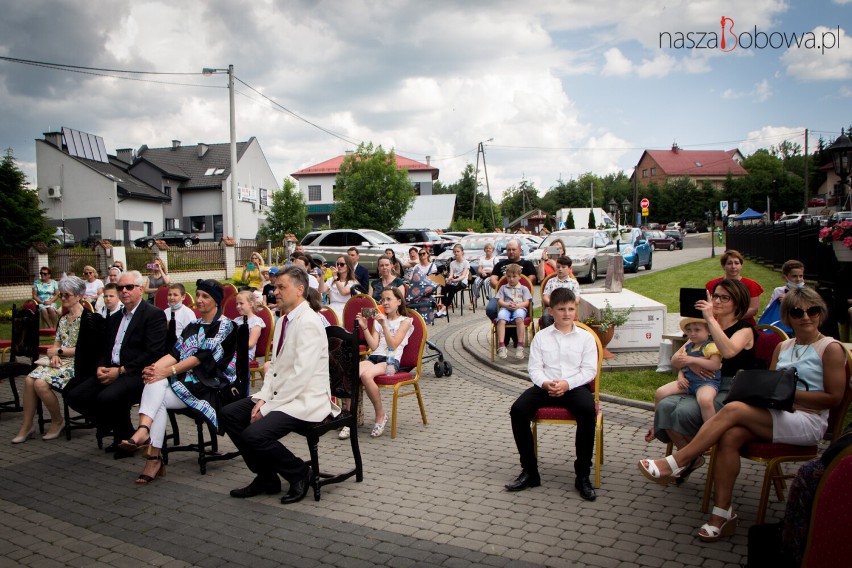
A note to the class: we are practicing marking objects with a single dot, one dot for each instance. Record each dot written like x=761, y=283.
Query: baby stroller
x=420, y=298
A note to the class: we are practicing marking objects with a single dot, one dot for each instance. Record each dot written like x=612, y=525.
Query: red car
x=816, y=202
x=660, y=240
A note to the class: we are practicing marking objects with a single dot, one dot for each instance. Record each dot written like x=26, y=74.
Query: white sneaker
x=344, y=433
x=519, y=352
x=502, y=352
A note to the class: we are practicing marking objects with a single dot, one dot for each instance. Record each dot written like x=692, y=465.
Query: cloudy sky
x=562, y=87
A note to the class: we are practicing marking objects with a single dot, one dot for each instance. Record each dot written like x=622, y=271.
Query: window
x=314, y=193
x=214, y=171
x=417, y=188
x=198, y=224
x=94, y=226
x=653, y=171
x=645, y=173
x=335, y=239
x=167, y=189
x=170, y=224
x=149, y=228
x=264, y=197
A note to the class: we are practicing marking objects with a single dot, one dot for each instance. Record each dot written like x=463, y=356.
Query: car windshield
x=379, y=238
x=582, y=240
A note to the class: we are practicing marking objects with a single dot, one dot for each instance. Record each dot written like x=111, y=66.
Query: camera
x=152, y=265
x=553, y=252
x=369, y=312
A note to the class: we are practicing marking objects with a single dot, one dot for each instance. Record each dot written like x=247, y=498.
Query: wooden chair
x=412, y=358
x=329, y=315
x=24, y=343
x=559, y=415
x=831, y=517
x=541, y=294
x=439, y=281
x=208, y=450
x=229, y=308
x=161, y=297
x=773, y=455
x=350, y=310
x=343, y=375
x=528, y=321
x=229, y=289
x=264, y=343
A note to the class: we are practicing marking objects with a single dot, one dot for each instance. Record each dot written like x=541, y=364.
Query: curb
x=486, y=360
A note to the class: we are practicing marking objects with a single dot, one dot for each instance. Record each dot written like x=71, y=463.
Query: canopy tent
x=430, y=211
x=748, y=215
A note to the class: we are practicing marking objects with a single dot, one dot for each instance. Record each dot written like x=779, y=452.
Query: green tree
x=519, y=199
x=592, y=222
x=569, y=223
x=371, y=192
x=287, y=214
x=23, y=221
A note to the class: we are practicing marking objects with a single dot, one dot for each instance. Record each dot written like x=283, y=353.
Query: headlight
x=582, y=258
x=625, y=250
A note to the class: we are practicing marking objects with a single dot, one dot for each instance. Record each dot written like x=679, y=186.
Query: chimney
x=350, y=152
x=142, y=149
x=126, y=155
x=202, y=149
x=428, y=160
x=675, y=147
x=175, y=144
x=54, y=138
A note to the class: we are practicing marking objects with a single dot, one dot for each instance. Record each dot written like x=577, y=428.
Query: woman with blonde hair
x=252, y=273
x=94, y=285
x=340, y=285
x=159, y=277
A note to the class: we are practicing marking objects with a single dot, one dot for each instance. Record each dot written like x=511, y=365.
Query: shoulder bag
x=766, y=389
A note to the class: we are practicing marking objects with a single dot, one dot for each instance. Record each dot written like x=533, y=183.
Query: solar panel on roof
x=84, y=145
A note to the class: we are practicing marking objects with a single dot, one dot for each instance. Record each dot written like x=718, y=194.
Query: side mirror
x=365, y=244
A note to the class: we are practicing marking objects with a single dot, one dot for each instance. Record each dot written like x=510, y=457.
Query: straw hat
x=686, y=321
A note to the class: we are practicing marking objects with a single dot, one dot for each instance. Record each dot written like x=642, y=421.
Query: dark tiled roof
x=183, y=163
x=127, y=184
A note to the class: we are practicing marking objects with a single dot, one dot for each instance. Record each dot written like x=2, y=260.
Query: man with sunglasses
x=135, y=338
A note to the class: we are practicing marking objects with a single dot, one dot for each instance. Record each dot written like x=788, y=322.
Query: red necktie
x=283, y=332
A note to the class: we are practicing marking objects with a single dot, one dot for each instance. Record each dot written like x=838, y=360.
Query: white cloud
x=761, y=92
x=830, y=60
x=616, y=64
x=773, y=136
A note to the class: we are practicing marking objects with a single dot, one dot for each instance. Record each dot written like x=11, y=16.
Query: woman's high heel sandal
x=25, y=437
x=146, y=479
x=652, y=472
x=728, y=528
x=131, y=446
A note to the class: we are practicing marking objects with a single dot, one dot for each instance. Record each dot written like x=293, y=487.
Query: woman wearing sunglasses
x=45, y=294
x=677, y=418
x=340, y=284
x=820, y=362
x=94, y=285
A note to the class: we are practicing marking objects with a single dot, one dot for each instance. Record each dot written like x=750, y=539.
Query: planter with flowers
x=605, y=323
x=840, y=238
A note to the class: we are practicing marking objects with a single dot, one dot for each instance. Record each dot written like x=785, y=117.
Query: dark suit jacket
x=144, y=341
x=363, y=276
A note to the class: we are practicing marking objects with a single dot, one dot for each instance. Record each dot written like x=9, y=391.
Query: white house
x=317, y=183
x=134, y=194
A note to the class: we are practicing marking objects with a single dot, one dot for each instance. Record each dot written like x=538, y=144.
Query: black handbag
x=766, y=389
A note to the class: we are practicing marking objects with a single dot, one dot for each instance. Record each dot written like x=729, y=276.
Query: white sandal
x=652, y=472
x=379, y=427
x=728, y=528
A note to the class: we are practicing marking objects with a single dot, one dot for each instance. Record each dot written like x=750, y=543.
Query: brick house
x=697, y=165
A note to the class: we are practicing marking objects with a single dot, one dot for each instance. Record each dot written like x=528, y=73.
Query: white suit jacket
x=297, y=382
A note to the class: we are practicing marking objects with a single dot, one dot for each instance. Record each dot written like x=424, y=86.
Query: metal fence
x=246, y=247
x=71, y=260
x=775, y=244
x=140, y=258
x=203, y=256
x=15, y=267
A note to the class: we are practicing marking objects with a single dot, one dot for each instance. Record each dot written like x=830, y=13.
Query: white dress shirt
x=571, y=357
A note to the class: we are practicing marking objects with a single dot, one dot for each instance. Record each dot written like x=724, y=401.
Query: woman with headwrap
x=200, y=364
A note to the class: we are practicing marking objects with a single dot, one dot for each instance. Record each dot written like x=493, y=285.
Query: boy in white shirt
x=182, y=314
x=513, y=300
x=563, y=279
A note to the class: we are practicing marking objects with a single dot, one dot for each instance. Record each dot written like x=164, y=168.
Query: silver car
x=590, y=251
x=371, y=244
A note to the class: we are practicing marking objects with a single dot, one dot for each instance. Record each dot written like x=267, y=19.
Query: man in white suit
x=295, y=394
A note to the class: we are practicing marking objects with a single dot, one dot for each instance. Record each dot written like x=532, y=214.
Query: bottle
x=391, y=362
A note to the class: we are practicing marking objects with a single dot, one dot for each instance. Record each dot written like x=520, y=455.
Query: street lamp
x=613, y=210
x=234, y=195
x=625, y=206
x=841, y=157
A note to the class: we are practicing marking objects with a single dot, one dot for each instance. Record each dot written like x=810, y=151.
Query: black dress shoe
x=523, y=481
x=257, y=487
x=298, y=489
x=584, y=486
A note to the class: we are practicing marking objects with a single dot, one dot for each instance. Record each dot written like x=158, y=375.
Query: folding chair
x=24, y=343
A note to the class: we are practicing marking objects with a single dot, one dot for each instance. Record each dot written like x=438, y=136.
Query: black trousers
x=580, y=401
x=107, y=405
x=258, y=442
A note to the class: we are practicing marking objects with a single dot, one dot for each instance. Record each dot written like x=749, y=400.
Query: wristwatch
x=60, y=352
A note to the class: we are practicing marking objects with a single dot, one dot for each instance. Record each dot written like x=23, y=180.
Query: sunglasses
x=66, y=295
x=88, y=272
x=128, y=287
x=799, y=313
x=341, y=264
x=424, y=254
x=44, y=273
x=723, y=298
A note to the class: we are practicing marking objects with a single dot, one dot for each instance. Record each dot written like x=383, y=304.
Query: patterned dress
x=46, y=290
x=66, y=335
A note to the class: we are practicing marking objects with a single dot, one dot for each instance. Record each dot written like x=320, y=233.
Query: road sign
x=644, y=204
x=644, y=211
x=723, y=208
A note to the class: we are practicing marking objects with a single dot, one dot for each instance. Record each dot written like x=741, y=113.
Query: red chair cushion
x=394, y=379
x=4, y=343
x=557, y=413
x=768, y=450
x=253, y=364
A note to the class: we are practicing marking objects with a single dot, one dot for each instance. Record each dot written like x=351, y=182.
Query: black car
x=419, y=237
x=177, y=237
x=677, y=236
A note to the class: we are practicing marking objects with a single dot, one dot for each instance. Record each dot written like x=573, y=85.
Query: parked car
x=635, y=249
x=653, y=227
x=62, y=236
x=816, y=202
x=589, y=249
x=660, y=240
x=839, y=216
x=691, y=227
x=674, y=225
x=474, y=249
x=677, y=236
x=176, y=237
x=795, y=218
x=371, y=244
x=420, y=236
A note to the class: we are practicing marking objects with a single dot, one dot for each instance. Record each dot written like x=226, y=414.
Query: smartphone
x=369, y=312
x=688, y=297
x=152, y=265
x=250, y=266
x=553, y=252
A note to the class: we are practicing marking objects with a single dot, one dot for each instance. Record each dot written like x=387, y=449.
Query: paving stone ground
x=431, y=497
